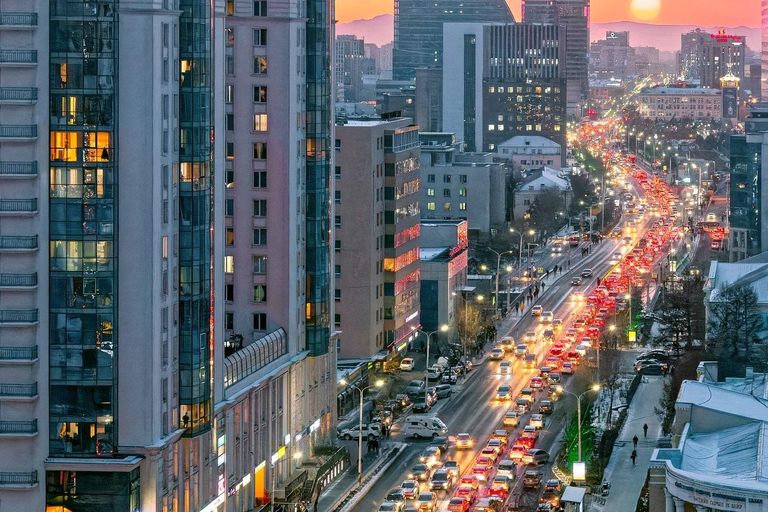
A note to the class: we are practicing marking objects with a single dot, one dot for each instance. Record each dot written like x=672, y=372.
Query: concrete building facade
x=681, y=102
x=525, y=153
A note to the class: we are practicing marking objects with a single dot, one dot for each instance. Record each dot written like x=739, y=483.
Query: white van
x=507, y=468
x=424, y=426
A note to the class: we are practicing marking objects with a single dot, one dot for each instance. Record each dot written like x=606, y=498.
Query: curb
x=354, y=496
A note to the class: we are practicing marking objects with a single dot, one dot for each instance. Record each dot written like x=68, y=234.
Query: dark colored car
x=421, y=407
x=396, y=495
x=546, y=407
x=441, y=442
x=441, y=481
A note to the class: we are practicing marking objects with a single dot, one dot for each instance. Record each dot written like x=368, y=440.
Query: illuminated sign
x=412, y=316
x=722, y=37
x=632, y=336
x=580, y=471
x=314, y=426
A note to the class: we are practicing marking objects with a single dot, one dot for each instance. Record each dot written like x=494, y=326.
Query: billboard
x=730, y=102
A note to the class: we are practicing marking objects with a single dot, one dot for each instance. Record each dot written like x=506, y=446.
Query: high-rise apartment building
x=613, y=56
x=764, y=49
x=377, y=215
x=572, y=16
x=506, y=79
x=705, y=58
x=419, y=29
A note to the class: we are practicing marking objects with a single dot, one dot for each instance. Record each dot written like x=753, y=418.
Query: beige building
x=377, y=179
x=681, y=102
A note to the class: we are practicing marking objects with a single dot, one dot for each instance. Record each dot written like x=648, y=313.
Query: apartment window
x=260, y=208
x=229, y=178
x=229, y=208
x=260, y=236
x=229, y=292
x=337, y=294
x=230, y=150
x=260, y=8
x=259, y=37
x=337, y=172
x=447, y=207
x=260, y=94
x=446, y=178
x=337, y=270
x=229, y=93
x=337, y=320
x=430, y=178
x=462, y=192
x=259, y=265
x=230, y=122
x=431, y=206
x=260, y=322
x=229, y=264
x=259, y=179
x=446, y=192
x=229, y=36
x=337, y=221
x=260, y=293
x=230, y=236
x=491, y=127
x=431, y=192
x=337, y=246
x=337, y=144
x=462, y=206
x=259, y=122
x=229, y=320
x=260, y=65
x=462, y=178
x=337, y=196
x=260, y=151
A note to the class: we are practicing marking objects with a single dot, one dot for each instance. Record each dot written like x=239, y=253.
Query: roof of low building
x=529, y=140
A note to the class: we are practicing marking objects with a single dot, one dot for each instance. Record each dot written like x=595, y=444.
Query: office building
x=666, y=102
x=748, y=188
x=419, y=29
x=613, y=56
x=506, y=79
x=382, y=58
x=525, y=153
x=351, y=65
x=429, y=99
x=718, y=441
x=572, y=16
x=704, y=58
x=377, y=180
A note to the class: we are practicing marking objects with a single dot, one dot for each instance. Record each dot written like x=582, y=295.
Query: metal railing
x=18, y=93
x=18, y=353
x=18, y=19
x=18, y=56
x=16, y=131
x=18, y=427
x=10, y=316
x=18, y=389
x=18, y=205
x=25, y=280
x=18, y=242
x=18, y=168
x=18, y=478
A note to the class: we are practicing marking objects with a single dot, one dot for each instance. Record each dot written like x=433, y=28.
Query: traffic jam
x=508, y=465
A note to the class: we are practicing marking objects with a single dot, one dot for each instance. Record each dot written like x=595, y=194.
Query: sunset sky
x=707, y=13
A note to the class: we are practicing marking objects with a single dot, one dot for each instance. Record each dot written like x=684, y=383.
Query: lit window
x=260, y=122
x=229, y=264
x=447, y=207
x=260, y=151
x=260, y=65
x=431, y=206
x=501, y=127
x=462, y=206
x=491, y=127
x=491, y=89
x=230, y=236
x=260, y=94
x=260, y=293
x=430, y=192
x=463, y=192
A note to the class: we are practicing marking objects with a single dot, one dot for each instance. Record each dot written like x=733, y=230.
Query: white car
x=407, y=364
x=537, y=310
x=547, y=317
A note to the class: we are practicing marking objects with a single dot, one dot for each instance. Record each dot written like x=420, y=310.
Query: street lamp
x=520, y=251
x=466, y=312
x=498, y=269
x=594, y=387
x=442, y=328
x=378, y=384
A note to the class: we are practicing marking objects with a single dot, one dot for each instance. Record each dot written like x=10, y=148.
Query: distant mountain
x=667, y=37
x=380, y=30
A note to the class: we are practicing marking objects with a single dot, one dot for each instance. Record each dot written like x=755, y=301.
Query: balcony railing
x=18, y=205
x=18, y=353
x=18, y=427
x=25, y=390
x=18, y=56
x=18, y=94
x=14, y=479
x=13, y=131
x=18, y=316
x=18, y=169
x=18, y=280
x=18, y=19
x=18, y=242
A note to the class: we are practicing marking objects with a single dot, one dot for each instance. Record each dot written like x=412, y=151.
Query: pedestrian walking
x=633, y=456
x=517, y=306
x=634, y=441
x=547, y=276
x=645, y=430
x=598, y=281
x=542, y=286
x=369, y=445
x=554, y=270
x=522, y=308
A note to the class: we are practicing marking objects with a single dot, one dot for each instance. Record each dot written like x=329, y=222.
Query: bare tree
x=680, y=314
x=734, y=321
x=609, y=370
x=468, y=324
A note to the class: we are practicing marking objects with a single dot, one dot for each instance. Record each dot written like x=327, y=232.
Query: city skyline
x=708, y=13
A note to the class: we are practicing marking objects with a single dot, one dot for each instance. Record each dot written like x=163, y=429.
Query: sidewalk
x=626, y=480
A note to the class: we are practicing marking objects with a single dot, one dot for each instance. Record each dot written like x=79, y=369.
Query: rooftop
x=723, y=400
x=681, y=91
x=529, y=140
x=751, y=271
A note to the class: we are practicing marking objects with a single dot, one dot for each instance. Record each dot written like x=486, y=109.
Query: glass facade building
x=419, y=29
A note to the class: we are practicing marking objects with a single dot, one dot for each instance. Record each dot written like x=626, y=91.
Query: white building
x=718, y=459
x=534, y=184
x=530, y=152
x=681, y=103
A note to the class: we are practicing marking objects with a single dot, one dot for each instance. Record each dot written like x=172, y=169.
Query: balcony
x=18, y=95
x=18, y=57
x=19, y=481
x=18, y=428
x=18, y=131
x=18, y=354
x=18, y=207
x=19, y=392
x=12, y=282
x=18, y=317
x=18, y=243
x=18, y=170
x=18, y=20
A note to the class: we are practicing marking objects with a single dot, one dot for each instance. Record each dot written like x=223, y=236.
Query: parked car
x=371, y=431
x=443, y=390
x=407, y=364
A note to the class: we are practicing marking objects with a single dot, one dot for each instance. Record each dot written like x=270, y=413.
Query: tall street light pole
x=379, y=383
x=595, y=387
x=520, y=252
x=442, y=328
x=498, y=269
